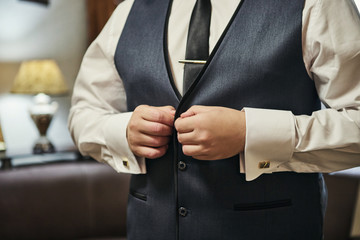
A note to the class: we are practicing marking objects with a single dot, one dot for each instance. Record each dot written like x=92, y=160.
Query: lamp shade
x=39, y=76
x=2, y=142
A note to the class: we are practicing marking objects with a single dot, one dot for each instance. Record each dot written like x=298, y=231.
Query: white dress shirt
x=326, y=141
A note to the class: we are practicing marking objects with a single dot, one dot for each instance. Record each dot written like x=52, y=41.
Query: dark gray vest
x=256, y=63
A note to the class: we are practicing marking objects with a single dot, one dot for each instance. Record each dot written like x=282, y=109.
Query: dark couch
x=69, y=200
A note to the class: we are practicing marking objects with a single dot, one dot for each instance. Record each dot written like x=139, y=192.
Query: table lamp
x=2, y=142
x=43, y=78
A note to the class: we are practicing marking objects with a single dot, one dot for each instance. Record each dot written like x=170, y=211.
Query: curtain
x=99, y=12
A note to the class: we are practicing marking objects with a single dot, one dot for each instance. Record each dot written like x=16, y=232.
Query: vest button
x=181, y=165
x=183, y=211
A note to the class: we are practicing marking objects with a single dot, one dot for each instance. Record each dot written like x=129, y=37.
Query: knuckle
x=141, y=107
x=206, y=151
x=156, y=128
x=157, y=142
x=161, y=129
x=131, y=125
x=132, y=129
x=179, y=138
x=136, y=150
x=150, y=155
x=133, y=144
x=155, y=153
x=157, y=116
x=205, y=137
x=138, y=109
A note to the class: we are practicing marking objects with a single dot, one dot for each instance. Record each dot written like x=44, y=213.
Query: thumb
x=168, y=109
x=193, y=111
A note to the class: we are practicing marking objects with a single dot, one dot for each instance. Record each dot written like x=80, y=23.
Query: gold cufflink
x=264, y=164
x=126, y=163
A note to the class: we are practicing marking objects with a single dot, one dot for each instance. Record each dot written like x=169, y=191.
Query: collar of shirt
x=221, y=14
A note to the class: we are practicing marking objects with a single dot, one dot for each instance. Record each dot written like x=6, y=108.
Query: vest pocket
x=138, y=195
x=262, y=205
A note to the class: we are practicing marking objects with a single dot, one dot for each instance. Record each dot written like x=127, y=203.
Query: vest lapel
x=166, y=52
x=212, y=54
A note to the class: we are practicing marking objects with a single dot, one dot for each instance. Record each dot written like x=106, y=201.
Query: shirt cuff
x=116, y=148
x=270, y=141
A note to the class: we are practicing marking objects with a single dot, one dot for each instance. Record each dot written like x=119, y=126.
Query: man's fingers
x=150, y=141
x=184, y=125
x=198, y=152
x=150, y=152
x=149, y=130
x=188, y=138
x=164, y=115
x=192, y=150
x=169, y=109
x=155, y=129
x=196, y=109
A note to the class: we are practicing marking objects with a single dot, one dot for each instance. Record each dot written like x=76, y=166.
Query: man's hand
x=211, y=133
x=149, y=130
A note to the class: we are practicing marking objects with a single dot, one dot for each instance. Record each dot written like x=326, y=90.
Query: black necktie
x=197, y=46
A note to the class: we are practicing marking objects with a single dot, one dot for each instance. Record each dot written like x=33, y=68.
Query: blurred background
x=58, y=30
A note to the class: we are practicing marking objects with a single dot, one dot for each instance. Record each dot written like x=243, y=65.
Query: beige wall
x=32, y=31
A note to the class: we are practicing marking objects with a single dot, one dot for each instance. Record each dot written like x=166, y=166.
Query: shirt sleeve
x=329, y=139
x=98, y=116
